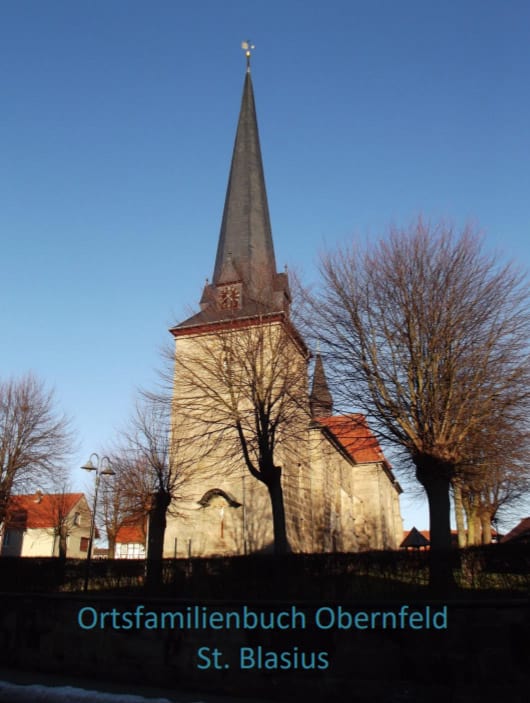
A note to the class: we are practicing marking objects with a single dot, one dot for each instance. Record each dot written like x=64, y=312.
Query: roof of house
x=416, y=539
x=40, y=510
x=520, y=531
x=130, y=534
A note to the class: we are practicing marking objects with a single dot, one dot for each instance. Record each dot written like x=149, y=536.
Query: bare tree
x=430, y=335
x=494, y=479
x=120, y=502
x=60, y=507
x=244, y=388
x=35, y=439
x=150, y=475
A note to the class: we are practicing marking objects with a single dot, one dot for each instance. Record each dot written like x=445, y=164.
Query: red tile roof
x=130, y=534
x=353, y=433
x=40, y=510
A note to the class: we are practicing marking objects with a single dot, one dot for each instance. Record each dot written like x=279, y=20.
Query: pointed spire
x=245, y=239
x=245, y=283
x=320, y=400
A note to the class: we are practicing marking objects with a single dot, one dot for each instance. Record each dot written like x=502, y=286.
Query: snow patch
x=35, y=693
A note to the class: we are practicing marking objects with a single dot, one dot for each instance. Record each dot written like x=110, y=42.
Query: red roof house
x=130, y=541
x=46, y=524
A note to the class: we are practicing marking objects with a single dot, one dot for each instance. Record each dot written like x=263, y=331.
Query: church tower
x=252, y=447
x=236, y=356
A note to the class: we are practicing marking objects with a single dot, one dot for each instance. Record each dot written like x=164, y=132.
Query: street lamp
x=102, y=468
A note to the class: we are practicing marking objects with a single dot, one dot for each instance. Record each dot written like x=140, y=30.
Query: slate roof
x=39, y=510
x=245, y=239
x=320, y=399
x=245, y=250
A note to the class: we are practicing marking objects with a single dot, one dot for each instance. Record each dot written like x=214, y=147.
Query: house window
x=77, y=519
x=130, y=551
x=83, y=547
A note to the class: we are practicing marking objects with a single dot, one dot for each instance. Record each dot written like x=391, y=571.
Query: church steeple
x=245, y=240
x=245, y=282
x=320, y=400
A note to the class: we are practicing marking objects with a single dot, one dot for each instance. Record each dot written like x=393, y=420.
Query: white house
x=46, y=525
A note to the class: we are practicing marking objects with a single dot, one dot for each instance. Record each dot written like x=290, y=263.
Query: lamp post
x=102, y=468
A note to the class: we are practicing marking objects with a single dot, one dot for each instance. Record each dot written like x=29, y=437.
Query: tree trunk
x=111, y=538
x=459, y=515
x=477, y=527
x=473, y=520
x=435, y=477
x=62, y=544
x=155, y=540
x=485, y=521
x=274, y=485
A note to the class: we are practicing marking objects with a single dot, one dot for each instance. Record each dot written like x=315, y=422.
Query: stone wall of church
x=220, y=527
x=333, y=498
x=331, y=503
x=381, y=527
x=209, y=385
x=355, y=506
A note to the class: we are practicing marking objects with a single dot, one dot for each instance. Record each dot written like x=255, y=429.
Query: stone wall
x=331, y=503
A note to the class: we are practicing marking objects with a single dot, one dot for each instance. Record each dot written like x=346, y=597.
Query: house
x=339, y=491
x=46, y=525
x=130, y=541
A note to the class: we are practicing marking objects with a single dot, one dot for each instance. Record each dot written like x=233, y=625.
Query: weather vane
x=248, y=47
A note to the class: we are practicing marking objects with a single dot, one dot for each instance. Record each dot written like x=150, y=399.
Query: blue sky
x=116, y=130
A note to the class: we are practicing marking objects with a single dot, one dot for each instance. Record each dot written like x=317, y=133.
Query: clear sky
x=117, y=122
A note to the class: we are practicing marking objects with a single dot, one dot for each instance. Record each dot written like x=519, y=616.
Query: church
x=255, y=442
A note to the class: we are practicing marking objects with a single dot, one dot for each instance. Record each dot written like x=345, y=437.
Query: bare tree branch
x=430, y=335
x=35, y=440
